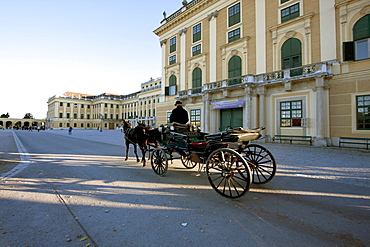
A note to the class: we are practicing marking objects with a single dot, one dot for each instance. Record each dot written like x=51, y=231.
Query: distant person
x=38, y=128
x=179, y=114
x=70, y=130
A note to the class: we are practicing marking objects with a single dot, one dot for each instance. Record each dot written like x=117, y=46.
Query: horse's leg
x=143, y=151
x=127, y=147
x=135, y=151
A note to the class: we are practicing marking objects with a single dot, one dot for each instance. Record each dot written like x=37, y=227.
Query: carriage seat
x=238, y=134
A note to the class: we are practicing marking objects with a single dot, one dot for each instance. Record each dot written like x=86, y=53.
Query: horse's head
x=126, y=125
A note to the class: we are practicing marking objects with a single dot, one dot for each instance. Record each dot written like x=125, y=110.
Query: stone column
x=320, y=113
x=182, y=81
x=248, y=107
x=261, y=92
x=206, y=114
x=163, y=44
x=212, y=45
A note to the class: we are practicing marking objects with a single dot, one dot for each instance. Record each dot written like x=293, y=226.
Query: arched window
x=291, y=56
x=172, y=89
x=361, y=37
x=235, y=69
x=359, y=48
x=197, y=80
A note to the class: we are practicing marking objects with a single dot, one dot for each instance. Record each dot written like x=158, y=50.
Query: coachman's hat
x=178, y=102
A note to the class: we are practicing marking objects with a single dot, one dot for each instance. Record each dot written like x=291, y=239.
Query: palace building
x=297, y=67
x=104, y=111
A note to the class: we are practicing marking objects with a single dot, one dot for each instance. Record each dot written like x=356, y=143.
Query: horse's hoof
x=144, y=165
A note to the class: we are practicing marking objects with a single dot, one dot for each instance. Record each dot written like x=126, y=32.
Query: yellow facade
x=293, y=76
x=105, y=111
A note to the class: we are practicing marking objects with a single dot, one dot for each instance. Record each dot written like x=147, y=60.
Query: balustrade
x=285, y=75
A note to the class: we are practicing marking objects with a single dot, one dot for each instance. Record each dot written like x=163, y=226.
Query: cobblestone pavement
x=346, y=165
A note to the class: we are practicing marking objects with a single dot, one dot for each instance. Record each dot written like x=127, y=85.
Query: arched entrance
x=9, y=125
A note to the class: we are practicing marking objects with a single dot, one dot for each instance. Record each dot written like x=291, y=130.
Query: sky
x=48, y=47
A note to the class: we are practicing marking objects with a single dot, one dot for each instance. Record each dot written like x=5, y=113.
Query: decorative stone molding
x=365, y=10
x=162, y=42
x=213, y=14
x=343, y=14
x=182, y=31
x=288, y=86
x=290, y=34
x=234, y=52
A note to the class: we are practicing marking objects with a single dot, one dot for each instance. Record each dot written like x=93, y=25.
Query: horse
x=136, y=136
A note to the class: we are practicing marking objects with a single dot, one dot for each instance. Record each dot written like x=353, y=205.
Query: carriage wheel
x=228, y=172
x=262, y=163
x=159, y=161
x=186, y=160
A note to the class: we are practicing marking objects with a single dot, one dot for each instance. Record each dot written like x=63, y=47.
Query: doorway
x=232, y=117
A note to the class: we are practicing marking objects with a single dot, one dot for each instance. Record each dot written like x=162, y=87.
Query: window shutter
x=348, y=51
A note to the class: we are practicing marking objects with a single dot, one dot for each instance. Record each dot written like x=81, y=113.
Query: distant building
x=20, y=123
x=298, y=67
x=104, y=111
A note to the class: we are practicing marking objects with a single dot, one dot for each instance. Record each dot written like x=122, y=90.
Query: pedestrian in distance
x=70, y=130
x=179, y=114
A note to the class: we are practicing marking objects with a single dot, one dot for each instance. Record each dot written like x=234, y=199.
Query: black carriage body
x=228, y=157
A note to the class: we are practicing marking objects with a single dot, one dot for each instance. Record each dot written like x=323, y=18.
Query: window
x=235, y=70
x=60, y=125
x=67, y=124
x=88, y=106
x=196, y=81
x=75, y=115
x=197, y=32
x=173, y=44
x=68, y=105
x=291, y=113
x=283, y=1
x=290, y=12
x=363, y=112
x=82, y=105
x=75, y=125
x=106, y=105
x=196, y=50
x=60, y=115
x=291, y=56
x=362, y=49
x=361, y=36
x=172, y=89
x=82, y=125
x=195, y=117
x=68, y=115
x=82, y=116
x=88, y=116
x=60, y=103
x=234, y=35
x=172, y=59
x=234, y=14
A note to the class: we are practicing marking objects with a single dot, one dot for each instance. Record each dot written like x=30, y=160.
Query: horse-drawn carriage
x=230, y=161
